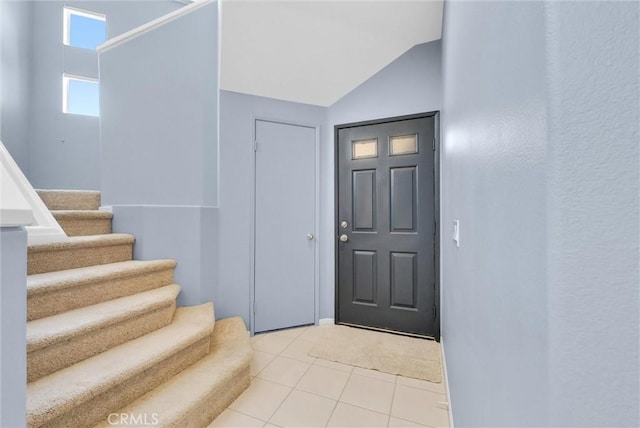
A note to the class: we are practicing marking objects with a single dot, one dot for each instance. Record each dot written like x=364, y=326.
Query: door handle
x=309, y=236
x=344, y=238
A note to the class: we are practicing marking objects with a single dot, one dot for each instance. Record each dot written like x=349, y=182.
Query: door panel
x=284, y=216
x=386, y=200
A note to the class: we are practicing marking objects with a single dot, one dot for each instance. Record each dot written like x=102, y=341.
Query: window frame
x=68, y=11
x=66, y=77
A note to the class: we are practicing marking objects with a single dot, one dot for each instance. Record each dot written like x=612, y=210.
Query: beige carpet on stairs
x=385, y=352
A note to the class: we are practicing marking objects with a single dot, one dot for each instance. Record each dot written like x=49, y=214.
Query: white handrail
x=145, y=28
x=20, y=205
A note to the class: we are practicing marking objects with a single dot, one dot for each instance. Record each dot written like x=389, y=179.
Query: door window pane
x=365, y=148
x=403, y=145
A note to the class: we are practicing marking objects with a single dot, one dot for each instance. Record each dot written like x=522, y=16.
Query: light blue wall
x=236, y=115
x=15, y=45
x=540, y=165
x=410, y=84
x=187, y=234
x=64, y=148
x=159, y=147
x=159, y=115
x=593, y=65
x=13, y=328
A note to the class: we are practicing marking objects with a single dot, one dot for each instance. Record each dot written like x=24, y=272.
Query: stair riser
x=85, y=227
x=55, y=260
x=214, y=404
x=119, y=395
x=68, y=351
x=70, y=200
x=59, y=301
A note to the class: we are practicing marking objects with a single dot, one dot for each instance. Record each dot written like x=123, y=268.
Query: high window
x=84, y=29
x=80, y=95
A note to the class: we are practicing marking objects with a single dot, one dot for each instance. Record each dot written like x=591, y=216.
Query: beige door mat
x=385, y=352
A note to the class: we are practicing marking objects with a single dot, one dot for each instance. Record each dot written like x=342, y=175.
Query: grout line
x=290, y=390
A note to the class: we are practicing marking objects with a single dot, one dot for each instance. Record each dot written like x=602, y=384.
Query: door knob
x=344, y=238
x=310, y=236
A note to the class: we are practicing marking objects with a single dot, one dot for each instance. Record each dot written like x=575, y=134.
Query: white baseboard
x=326, y=321
x=446, y=381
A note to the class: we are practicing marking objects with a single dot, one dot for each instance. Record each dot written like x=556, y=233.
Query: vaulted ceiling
x=315, y=52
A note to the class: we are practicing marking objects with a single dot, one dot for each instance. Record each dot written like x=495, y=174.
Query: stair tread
x=70, y=199
x=81, y=214
x=177, y=396
x=47, y=331
x=57, y=393
x=44, y=282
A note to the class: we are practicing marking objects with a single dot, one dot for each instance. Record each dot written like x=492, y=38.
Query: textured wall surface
x=159, y=146
x=159, y=96
x=15, y=44
x=540, y=301
x=594, y=213
x=13, y=329
x=493, y=181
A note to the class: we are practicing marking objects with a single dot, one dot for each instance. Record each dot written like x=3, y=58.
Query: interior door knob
x=310, y=236
x=344, y=238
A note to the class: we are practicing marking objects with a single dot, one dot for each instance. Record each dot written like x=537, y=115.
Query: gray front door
x=285, y=218
x=386, y=231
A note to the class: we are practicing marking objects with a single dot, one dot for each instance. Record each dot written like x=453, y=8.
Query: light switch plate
x=456, y=232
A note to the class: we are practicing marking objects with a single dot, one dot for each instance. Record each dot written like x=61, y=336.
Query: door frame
x=252, y=231
x=436, y=213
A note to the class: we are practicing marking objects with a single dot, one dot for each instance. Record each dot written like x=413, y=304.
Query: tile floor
x=291, y=389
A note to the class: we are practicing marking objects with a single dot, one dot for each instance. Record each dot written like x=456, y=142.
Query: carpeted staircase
x=106, y=345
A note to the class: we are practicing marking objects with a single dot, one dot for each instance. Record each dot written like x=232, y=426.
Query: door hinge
x=434, y=144
x=254, y=307
x=435, y=311
x=255, y=146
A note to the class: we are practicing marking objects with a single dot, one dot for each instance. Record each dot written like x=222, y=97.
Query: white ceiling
x=317, y=51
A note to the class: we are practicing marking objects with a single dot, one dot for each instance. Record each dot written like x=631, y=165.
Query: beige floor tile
x=422, y=384
x=298, y=350
x=273, y=344
x=333, y=365
x=302, y=409
x=230, y=418
x=261, y=399
x=401, y=423
x=260, y=361
x=324, y=381
x=314, y=334
x=374, y=374
x=346, y=415
x=372, y=394
x=419, y=405
x=285, y=371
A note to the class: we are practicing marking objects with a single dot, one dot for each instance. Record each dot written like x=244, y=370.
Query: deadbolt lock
x=344, y=224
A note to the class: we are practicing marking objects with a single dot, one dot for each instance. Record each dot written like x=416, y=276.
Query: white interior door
x=285, y=242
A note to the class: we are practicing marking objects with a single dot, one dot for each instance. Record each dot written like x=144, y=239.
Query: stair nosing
x=158, y=300
x=88, y=241
x=132, y=269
